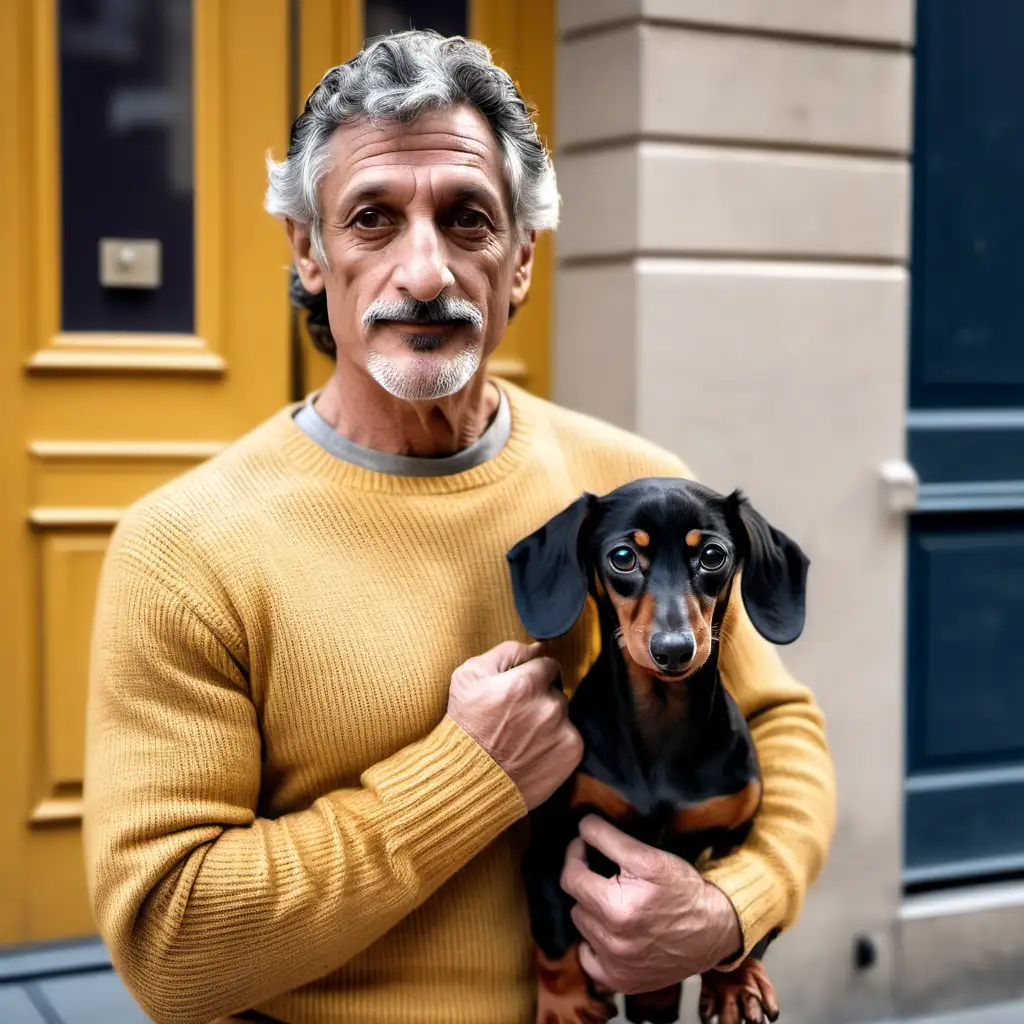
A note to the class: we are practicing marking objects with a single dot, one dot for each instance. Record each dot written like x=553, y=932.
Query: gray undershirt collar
x=489, y=444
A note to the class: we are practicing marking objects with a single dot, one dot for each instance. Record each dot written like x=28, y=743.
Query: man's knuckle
x=545, y=665
x=619, y=917
x=550, y=712
x=517, y=688
x=620, y=947
x=649, y=862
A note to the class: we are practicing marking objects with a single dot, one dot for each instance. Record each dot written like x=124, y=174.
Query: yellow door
x=123, y=363
x=93, y=417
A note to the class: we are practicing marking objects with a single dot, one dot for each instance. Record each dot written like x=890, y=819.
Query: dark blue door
x=965, y=785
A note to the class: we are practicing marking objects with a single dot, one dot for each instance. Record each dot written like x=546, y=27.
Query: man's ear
x=549, y=572
x=523, y=271
x=774, y=578
x=310, y=272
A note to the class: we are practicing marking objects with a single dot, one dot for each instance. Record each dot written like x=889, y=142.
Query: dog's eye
x=623, y=559
x=713, y=557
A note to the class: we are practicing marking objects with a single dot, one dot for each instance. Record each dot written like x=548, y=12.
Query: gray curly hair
x=401, y=77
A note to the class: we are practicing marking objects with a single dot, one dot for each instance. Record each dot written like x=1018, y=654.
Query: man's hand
x=655, y=923
x=504, y=699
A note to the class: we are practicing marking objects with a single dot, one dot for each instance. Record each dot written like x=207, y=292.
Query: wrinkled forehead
x=661, y=508
x=368, y=155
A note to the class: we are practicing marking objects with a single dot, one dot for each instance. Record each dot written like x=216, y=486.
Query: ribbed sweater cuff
x=755, y=892
x=448, y=799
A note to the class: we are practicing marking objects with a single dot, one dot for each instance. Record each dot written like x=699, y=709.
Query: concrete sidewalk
x=995, y=1013
x=72, y=983
x=1001, y=1013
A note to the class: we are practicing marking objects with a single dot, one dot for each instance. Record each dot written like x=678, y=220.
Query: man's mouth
x=425, y=337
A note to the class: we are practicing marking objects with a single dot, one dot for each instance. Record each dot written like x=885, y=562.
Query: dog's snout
x=672, y=652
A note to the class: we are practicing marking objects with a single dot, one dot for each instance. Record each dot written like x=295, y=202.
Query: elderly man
x=315, y=723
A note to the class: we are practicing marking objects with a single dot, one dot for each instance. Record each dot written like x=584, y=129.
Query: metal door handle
x=130, y=262
x=900, y=485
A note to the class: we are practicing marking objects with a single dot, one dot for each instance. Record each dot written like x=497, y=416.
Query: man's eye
x=468, y=220
x=623, y=559
x=370, y=219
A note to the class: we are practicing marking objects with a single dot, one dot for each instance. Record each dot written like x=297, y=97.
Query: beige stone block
x=601, y=202
x=655, y=80
x=808, y=356
x=961, y=949
x=877, y=21
x=594, y=357
x=574, y=15
x=676, y=199
x=721, y=86
x=598, y=87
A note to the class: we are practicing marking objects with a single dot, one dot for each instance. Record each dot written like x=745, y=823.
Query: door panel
x=967, y=826
x=965, y=787
x=109, y=392
x=126, y=117
x=969, y=230
x=969, y=584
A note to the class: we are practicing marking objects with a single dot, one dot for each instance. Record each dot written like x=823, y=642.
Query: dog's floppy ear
x=774, y=581
x=549, y=572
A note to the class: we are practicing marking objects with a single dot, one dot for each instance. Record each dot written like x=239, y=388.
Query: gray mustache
x=442, y=310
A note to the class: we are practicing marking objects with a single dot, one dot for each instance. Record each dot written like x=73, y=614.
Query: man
x=316, y=726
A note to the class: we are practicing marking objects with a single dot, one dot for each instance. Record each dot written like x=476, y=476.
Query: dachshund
x=668, y=757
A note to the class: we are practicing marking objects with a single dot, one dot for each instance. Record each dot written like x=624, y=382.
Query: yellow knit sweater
x=279, y=814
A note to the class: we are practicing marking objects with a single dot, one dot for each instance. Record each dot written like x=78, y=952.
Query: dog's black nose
x=672, y=652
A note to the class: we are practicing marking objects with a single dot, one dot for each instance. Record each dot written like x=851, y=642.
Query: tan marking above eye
x=642, y=538
x=693, y=538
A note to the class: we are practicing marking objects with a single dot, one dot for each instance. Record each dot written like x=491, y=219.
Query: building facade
x=788, y=253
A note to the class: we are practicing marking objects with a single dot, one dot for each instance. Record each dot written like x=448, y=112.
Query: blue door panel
x=964, y=826
x=966, y=448
x=965, y=439
x=967, y=644
x=968, y=244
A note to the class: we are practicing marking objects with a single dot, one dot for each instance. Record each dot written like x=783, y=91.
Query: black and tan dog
x=668, y=757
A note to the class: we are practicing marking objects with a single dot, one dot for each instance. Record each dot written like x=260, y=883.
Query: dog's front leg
x=565, y=995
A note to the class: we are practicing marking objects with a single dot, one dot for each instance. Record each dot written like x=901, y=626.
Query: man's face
x=412, y=215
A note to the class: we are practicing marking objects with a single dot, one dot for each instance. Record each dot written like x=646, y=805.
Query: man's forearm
x=262, y=908
x=206, y=908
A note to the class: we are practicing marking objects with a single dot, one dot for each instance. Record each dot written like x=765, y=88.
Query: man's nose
x=672, y=652
x=422, y=271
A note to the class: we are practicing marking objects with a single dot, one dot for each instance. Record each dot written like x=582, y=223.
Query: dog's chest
x=679, y=799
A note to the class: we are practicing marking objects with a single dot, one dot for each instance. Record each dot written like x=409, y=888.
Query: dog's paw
x=565, y=995
x=743, y=996
x=573, y=1008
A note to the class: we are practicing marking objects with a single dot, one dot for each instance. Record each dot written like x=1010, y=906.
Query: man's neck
x=357, y=407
